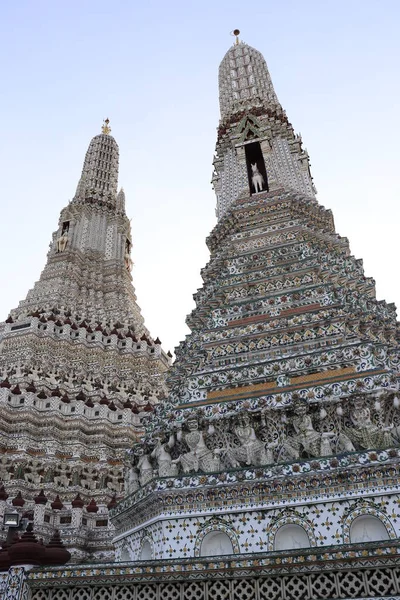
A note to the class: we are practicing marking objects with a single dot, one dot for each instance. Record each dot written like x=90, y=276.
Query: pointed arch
x=146, y=551
x=248, y=128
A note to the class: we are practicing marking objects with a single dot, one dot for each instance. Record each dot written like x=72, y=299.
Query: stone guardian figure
x=199, y=457
x=365, y=433
x=251, y=451
x=166, y=466
x=144, y=466
x=306, y=438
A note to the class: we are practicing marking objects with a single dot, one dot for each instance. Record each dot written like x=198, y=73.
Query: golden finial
x=105, y=127
x=236, y=33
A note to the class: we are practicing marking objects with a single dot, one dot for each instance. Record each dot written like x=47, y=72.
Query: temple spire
x=244, y=80
x=257, y=148
x=100, y=168
x=88, y=271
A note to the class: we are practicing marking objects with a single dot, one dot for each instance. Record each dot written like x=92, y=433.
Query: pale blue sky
x=152, y=67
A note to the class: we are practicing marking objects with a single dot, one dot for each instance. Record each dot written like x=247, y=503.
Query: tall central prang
x=281, y=427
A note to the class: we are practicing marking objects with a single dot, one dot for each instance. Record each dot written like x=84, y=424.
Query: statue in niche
x=256, y=178
x=166, y=466
x=305, y=438
x=127, y=256
x=252, y=451
x=131, y=480
x=113, y=480
x=103, y=479
x=62, y=241
x=143, y=465
x=365, y=433
x=199, y=457
x=89, y=480
x=6, y=476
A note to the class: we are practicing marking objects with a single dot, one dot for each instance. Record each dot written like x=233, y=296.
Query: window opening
x=256, y=171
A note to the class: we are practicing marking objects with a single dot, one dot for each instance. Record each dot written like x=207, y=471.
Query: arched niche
x=255, y=160
x=291, y=537
x=216, y=543
x=146, y=552
x=367, y=528
x=125, y=556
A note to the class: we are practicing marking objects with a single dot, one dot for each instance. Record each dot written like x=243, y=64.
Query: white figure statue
x=127, y=256
x=306, y=438
x=166, y=466
x=199, y=457
x=257, y=179
x=364, y=432
x=128, y=261
x=144, y=466
x=62, y=241
x=251, y=451
x=63, y=478
x=113, y=479
x=131, y=481
x=33, y=476
x=89, y=480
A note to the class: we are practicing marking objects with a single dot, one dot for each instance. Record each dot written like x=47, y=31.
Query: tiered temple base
x=356, y=571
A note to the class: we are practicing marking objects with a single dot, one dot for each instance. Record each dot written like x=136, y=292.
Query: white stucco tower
x=78, y=369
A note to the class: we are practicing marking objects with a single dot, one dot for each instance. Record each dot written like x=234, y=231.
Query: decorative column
x=39, y=509
x=15, y=587
x=77, y=510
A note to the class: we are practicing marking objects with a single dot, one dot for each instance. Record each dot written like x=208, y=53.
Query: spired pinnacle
x=236, y=33
x=257, y=149
x=120, y=203
x=244, y=80
x=100, y=167
x=105, y=128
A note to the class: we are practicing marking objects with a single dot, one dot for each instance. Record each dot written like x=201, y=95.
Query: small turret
x=120, y=205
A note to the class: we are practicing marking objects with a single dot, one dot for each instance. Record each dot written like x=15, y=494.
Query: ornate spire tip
x=106, y=129
x=236, y=33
